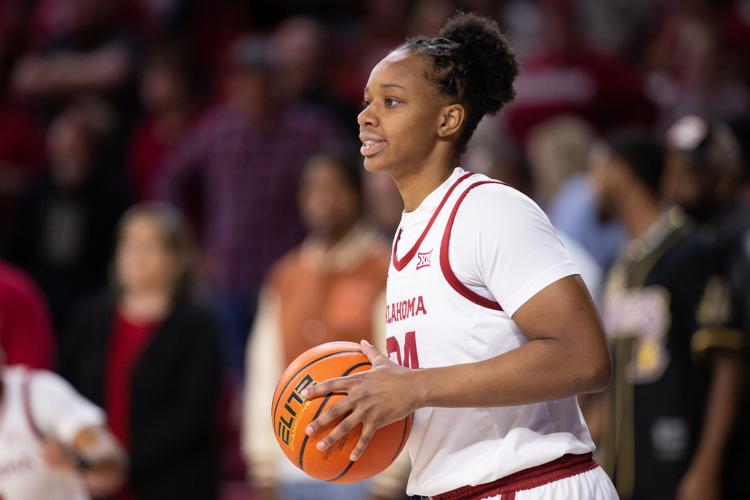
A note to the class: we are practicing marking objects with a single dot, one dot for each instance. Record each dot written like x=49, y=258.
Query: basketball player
x=53, y=443
x=481, y=295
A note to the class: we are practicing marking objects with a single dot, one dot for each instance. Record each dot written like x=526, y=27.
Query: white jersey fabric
x=464, y=262
x=36, y=405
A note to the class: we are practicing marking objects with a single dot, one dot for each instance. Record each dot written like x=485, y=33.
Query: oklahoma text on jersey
x=405, y=309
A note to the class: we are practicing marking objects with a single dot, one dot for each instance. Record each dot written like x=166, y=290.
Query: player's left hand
x=375, y=398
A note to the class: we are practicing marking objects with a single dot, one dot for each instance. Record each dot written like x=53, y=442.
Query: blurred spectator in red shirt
x=167, y=90
x=87, y=51
x=572, y=77
x=25, y=330
x=692, y=66
x=63, y=228
x=247, y=152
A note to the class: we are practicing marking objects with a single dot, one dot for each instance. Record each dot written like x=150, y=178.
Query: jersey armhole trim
x=26, y=399
x=445, y=264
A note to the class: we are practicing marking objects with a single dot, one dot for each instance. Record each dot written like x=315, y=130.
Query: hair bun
x=488, y=61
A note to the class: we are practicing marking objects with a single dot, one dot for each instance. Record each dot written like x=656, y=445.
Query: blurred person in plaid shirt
x=246, y=152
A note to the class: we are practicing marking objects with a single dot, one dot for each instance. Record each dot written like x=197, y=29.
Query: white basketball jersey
x=24, y=475
x=438, y=315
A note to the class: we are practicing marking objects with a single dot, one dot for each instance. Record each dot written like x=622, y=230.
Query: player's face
x=399, y=122
x=329, y=205
x=143, y=262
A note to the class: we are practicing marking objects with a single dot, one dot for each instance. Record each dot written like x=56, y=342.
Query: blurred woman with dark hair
x=148, y=354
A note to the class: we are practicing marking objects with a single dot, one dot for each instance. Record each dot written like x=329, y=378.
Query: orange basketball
x=291, y=416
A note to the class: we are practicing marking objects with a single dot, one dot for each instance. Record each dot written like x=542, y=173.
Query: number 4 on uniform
x=410, y=358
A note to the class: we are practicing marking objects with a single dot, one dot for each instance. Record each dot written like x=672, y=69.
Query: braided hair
x=473, y=64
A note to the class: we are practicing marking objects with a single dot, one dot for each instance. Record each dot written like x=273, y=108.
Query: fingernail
x=364, y=342
x=304, y=393
x=309, y=430
x=321, y=445
x=353, y=457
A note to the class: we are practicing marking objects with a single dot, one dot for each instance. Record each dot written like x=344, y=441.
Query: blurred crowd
x=183, y=212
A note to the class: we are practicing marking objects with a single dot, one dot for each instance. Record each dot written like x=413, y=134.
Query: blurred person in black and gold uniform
x=666, y=419
x=703, y=175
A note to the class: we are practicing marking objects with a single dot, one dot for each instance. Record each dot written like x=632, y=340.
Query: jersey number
x=410, y=358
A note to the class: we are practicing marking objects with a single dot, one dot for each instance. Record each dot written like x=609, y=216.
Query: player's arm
x=566, y=355
x=95, y=454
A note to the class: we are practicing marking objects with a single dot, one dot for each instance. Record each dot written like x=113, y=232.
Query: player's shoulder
x=488, y=201
x=484, y=189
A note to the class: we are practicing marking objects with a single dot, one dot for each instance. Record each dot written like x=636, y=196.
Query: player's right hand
x=375, y=398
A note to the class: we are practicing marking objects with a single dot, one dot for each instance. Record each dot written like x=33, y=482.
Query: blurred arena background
x=121, y=121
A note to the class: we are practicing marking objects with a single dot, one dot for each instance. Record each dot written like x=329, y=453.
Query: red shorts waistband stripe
x=533, y=477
